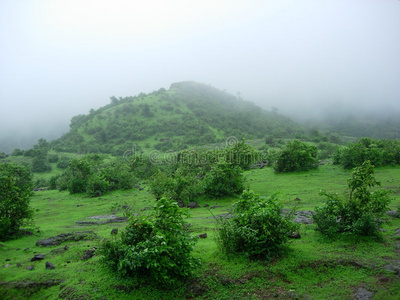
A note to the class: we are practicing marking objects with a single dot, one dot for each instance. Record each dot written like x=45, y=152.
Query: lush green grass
x=314, y=268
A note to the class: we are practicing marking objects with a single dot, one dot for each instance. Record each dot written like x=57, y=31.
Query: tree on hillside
x=15, y=190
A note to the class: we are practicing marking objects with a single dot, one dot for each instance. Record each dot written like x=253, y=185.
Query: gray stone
x=363, y=294
x=49, y=266
x=37, y=257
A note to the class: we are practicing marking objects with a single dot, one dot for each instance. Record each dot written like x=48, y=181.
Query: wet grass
x=314, y=267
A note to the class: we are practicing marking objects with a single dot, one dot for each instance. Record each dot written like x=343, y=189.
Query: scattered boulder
x=203, y=235
x=180, y=204
x=139, y=187
x=19, y=265
x=26, y=249
x=215, y=206
x=363, y=294
x=393, y=213
x=397, y=232
x=192, y=205
x=103, y=219
x=294, y=235
x=61, y=238
x=37, y=257
x=206, y=205
x=7, y=265
x=30, y=268
x=114, y=231
x=49, y=266
x=7, y=259
x=88, y=253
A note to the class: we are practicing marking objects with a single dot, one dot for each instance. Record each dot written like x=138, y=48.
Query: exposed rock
x=294, y=235
x=19, y=265
x=393, y=213
x=301, y=216
x=49, y=266
x=215, y=206
x=7, y=265
x=26, y=249
x=61, y=238
x=37, y=257
x=106, y=219
x=88, y=253
x=29, y=268
x=114, y=231
x=180, y=204
x=203, y=235
x=206, y=205
x=363, y=294
x=192, y=205
x=79, y=205
x=7, y=259
x=146, y=208
x=139, y=187
x=397, y=232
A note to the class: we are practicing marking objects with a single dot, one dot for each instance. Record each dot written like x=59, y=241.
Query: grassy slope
x=315, y=268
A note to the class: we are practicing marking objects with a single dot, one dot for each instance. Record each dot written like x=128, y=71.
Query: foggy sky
x=60, y=58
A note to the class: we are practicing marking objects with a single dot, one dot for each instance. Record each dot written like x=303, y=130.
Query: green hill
x=188, y=114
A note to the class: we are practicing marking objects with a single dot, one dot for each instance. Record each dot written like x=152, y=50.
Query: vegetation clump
x=257, y=227
x=360, y=213
x=378, y=152
x=296, y=156
x=154, y=248
x=15, y=189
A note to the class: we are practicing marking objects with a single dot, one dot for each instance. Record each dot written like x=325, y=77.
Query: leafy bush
x=53, y=158
x=96, y=185
x=224, y=179
x=15, y=190
x=296, y=156
x=360, y=213
x=63, y=162
x=155, y=248
x=379, y=152
x=257, y=227
x=182, y=185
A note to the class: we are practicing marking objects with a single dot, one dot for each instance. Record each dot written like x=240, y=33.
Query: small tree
x=224, y=179
x=155, y=248
x=257, y=227
x=296, y=156
x=15, y=189
x=360, y=213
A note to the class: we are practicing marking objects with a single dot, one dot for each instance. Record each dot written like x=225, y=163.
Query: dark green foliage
x=257, y=227
x=53, y=182
x=155, y=248
x=15, y=190
x=53, y=158
x=181, y=185
x=118, y=175
x=358, y=214
x=63, y=162
x=96, y=185
x=296, y=156
x=379, y=152
x=224, y=179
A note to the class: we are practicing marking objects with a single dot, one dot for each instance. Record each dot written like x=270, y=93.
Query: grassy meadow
x=314, y=268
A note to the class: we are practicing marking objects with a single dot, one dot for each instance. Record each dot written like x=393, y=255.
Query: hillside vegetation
x=188, y=114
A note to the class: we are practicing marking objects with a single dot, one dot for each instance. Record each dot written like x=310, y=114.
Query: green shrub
x=360, y=213
x=53, y=158
x=154, y=248
x=15, y=190
x=181, y=185
x=296, y=156
x=96, y=185
x=223, y=180
x=257, y=227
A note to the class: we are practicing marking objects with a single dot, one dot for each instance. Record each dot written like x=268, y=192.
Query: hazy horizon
x=62, y=58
